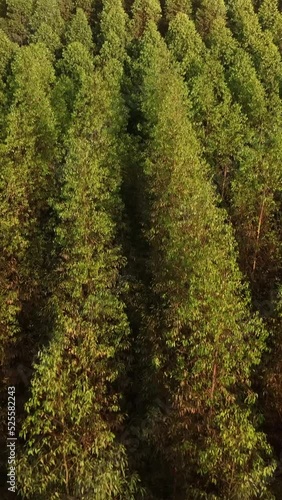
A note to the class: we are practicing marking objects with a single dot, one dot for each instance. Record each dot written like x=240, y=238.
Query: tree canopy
x=141, y=248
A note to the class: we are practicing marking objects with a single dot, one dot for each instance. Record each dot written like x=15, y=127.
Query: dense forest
x=141, y=248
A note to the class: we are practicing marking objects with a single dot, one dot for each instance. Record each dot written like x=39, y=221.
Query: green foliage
x=74, y=410
x=246, y=87
x=86, y=5
x=255, y=194
x=45, y=34
x=257, y=224
x=74, y=64
x=222, y=127
x=144, y=11
x=208, y=13
x=18, y=13
x=271, y=19
x=70, y=449
x=220, y=124
x=48, y=13
x=46, y=25
x=78, y=30
x=25, y=184
x=7, y=49
x=172, y=7
x=259, y=43
x=186, y=45
x=66, y=9
x=201, y=351
x=140, y=230
x=113, y=30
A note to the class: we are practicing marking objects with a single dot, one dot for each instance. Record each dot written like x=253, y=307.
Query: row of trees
x=140, y=243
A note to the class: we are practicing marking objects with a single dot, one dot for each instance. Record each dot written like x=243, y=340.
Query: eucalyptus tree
x=114, y=31
x=26, y=182
x=78, y=30
x=209, y=13
x=270, y=18
x=17, y=18
x=255, y=191
x=48, y=13
x=46, y=25
x=265, y=54
x=253, y=71
x=203, y=356
x=75, y=61
x=172, y=7
x=45, y=34
x=221, y=126
x=261, y=174
x=73, y=416
x=142, y=12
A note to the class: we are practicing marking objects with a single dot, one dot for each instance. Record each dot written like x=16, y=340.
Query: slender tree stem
x=258, y=233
